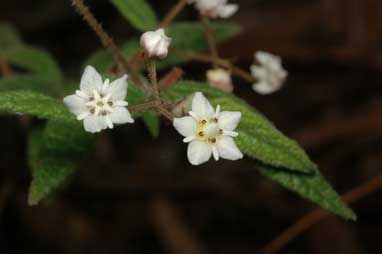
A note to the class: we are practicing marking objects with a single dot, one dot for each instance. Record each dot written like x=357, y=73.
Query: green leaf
x=36, y=61
x=32, y=103
x=54, y=155
x=9, y=38
x=152, y=122
x=29, y=82
x=138, y=12
x=312, y=187
x=260, y=140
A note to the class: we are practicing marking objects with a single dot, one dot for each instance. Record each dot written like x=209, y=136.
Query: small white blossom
x=156, y=43
x=215, y=8
x=99, y=104
x=209, y=132
x=221, y=79
x=270, y=73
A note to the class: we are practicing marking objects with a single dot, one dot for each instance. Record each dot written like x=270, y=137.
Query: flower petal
x=91, y=80
x=186, y=126
x=228, y=120
x=75, y=104
x=198, y=152
x=201, y=106
x=121, y=115
x=228, y=10
x=118, y=89
x=95, y=124
x=264, y=88
x=228, y=149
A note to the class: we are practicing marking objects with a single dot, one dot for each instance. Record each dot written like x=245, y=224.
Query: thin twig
x=318, y=214
x=173, y=13
x=218, y=61
x=176, y=236
x=152, y=69
x=144, y=106
x=5, y=69
x=108, y=42
x=210, y=39
x=170, y=78
x=165, y=112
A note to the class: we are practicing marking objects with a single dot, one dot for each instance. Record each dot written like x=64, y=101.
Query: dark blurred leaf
x=138, y=12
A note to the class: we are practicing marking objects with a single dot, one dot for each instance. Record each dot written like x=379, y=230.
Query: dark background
x=138, y=195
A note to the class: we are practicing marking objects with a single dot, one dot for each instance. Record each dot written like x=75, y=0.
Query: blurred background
x=138, y=195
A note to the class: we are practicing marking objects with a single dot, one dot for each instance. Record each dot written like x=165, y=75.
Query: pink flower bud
x=221, y=79
x=156, y=43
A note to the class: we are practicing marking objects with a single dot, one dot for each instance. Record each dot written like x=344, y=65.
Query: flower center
x=208, y=130
x=99, y=104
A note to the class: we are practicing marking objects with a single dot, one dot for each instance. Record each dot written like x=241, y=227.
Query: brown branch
x=108, y=42
x=318, y=214
x=173, y=76
x=176, y=236
x=144, y=106
x=210, y=39
x=173, y=13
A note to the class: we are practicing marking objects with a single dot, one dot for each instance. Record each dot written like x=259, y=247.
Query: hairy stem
x=173, y=76
x=108, y=42
x=210, y=39
x=152, y=69
x=144, y=106
x=173, y=13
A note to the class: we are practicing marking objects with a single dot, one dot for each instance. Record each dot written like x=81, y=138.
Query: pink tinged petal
x=94, y=124
x=228, y=150
x=229, y=120
x=75, y=104
x=201, y=106
x=228, y=10
x=118, y=89
x=91, y=80
x=215, y=153
x=121, y=115
x=186, y=126
x=198, y=152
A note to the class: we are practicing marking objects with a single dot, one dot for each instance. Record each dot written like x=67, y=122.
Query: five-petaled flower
x=270, y=73
x=215, y=8
x=100, y=104
x=155, y=43
x=209, y=132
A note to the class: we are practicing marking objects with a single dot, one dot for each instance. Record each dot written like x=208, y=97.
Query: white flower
x=221, y=79
x=100, y=104
x=155, y=43
x=209, y=132
x=215, y=8
x=270, y=73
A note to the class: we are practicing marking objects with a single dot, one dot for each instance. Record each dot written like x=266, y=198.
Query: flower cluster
x=269, y=73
